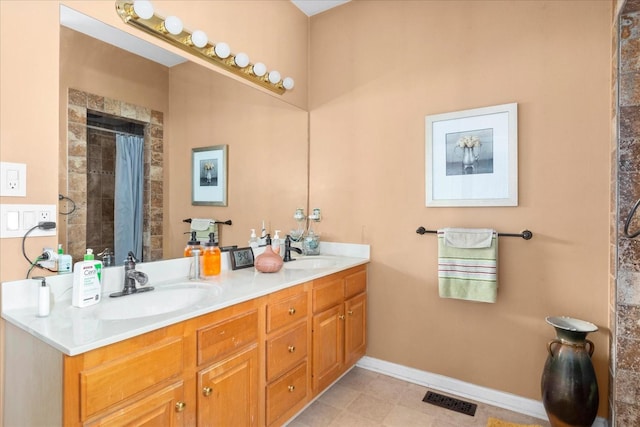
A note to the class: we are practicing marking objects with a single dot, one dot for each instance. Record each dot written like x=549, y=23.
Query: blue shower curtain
x=128, y=196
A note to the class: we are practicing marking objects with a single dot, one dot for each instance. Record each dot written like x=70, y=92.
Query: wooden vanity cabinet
x=256, y=363
x=338, y=325
x=287, y=347
x=138, y=381
x=203, y=371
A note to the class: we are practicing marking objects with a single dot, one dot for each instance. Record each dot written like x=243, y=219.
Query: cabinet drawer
x=327, y=294
x=284, y=393
x=286, y=312
x=221, y=339
x=355, y=283
x=119, y=379
x=286, y=350
x=158, y=409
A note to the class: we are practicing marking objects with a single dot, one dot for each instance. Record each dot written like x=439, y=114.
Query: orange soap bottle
x=191, y=245
x=211, y=258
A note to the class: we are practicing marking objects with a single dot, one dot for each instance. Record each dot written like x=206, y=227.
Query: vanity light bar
x=140, y=14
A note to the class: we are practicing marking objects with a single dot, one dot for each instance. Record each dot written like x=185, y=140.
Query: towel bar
x=227, y=222
x=526, y=234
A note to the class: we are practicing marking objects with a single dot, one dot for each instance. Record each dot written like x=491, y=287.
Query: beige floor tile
x=406, y=417
x=347, y=419
x=370, y=407
x=364, y=398
x=339, y=396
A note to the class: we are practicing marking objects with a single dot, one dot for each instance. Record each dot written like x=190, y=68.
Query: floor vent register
x=451, y=403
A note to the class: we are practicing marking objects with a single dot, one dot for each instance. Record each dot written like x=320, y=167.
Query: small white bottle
x=44, y=298
x=253, y=240
x=275, y=242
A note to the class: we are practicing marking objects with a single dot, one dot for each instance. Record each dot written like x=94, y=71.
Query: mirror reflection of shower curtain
x=128, y=196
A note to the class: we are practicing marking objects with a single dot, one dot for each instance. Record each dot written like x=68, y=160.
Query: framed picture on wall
x=472, y=157
x=209, y=176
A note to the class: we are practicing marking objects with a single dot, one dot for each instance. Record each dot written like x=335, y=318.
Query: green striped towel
x=467, y=264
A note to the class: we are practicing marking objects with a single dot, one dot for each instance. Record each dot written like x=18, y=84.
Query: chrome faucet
x=131, y=276
x=288, y=248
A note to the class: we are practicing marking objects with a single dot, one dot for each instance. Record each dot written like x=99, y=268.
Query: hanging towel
x=467, y=264
x=203, y=227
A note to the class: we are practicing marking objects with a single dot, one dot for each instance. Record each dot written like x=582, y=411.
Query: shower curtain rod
x=112, y=131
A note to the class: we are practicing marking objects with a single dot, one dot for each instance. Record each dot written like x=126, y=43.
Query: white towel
x=467, y=264
x=469, y=238
x=203, y=227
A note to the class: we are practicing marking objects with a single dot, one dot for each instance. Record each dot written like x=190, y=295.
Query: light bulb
x=143, y=8
x=199, y=38
x=222, y=50
x=173, y=25
x=274, y=77
x=259, y=69
x=241, y=60
x=288, y=83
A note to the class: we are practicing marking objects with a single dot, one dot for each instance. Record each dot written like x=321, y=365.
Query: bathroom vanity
x=254, y=353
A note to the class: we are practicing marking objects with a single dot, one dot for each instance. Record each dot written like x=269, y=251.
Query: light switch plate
x=13, y=179
x=27, y=217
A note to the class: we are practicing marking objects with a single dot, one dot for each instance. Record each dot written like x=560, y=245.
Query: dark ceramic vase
x=569, y=386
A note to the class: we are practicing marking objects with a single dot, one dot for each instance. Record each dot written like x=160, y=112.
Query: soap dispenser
x=253, y=239
x=275, y=245
x=44, y=297
x=268, y=261
x=191, y=245
x=211, y=257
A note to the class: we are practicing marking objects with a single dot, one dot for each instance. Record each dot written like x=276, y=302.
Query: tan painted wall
x=378, y=68
x=274, y=32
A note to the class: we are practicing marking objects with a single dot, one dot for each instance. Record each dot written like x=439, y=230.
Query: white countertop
x=75, y=330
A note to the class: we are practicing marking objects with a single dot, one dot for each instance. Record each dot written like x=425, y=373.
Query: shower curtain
x=128, y=196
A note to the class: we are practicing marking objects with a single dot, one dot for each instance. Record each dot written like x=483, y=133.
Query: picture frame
x=209, y=180
x=241, y=258
x=471, y=157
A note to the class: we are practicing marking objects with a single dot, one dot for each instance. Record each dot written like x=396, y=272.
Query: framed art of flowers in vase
x=209, y=176
x=472, y=157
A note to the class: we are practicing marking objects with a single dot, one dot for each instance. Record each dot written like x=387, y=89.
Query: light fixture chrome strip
x=140, y=14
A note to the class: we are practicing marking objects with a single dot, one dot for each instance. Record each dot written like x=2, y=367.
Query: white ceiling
x=312, y=7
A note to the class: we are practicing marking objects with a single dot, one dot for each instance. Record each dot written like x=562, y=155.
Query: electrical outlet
x=13, y=179
x=44, y=215
x=52, y=257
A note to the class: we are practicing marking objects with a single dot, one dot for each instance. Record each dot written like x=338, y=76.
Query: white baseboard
x=459, y=388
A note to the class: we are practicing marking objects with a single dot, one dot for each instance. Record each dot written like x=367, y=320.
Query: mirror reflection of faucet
x=131, y=276
x=288, y=248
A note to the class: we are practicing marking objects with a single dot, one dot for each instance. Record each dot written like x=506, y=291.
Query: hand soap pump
x=253, y=239
x=211, y=257
x=44, y=297
x=275, y=245
x=191, y=245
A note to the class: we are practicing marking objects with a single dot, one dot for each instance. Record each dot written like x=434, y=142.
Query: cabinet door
x=328, y=347
x=228, y=391
x=355, y=328
x=162, y=408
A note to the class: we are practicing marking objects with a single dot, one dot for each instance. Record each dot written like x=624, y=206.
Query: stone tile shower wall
x=101, y=183
x=77, y=163
x=625, y=306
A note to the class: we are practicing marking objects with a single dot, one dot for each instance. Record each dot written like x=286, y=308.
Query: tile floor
x=364, y=398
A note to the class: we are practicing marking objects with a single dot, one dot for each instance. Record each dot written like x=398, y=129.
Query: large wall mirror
x=109, y=96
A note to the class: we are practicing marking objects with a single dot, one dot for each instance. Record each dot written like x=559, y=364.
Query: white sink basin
x=159, y=301
x=310, y=263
